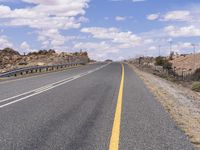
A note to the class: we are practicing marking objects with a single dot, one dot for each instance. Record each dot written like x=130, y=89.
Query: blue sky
x=115, y=29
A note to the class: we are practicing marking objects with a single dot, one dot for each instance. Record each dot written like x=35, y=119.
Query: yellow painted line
x=114, y=141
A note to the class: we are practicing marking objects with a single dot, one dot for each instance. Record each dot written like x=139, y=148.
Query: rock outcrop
x=11, y=59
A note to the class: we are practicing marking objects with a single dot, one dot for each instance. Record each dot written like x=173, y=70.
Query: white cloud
x=98, y=51
x=113, y=34
x=182, y=47
x=186, y=45
x=4, y=42
x=153, y=16
x=24, y=46
x=51, y=37
x=120, y=18
x=83, y=19
x=102, y=46
x=47, y=16
x=186, y=31
x=178, y=15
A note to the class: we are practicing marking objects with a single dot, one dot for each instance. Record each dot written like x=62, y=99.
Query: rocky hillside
x=187, y=63
x=11, y=59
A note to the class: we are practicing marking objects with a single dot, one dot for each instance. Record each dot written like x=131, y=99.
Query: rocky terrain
x=11, y=59
x=181, y=63
x=187, y=63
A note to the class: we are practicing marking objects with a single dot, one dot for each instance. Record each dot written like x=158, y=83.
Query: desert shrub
x=196, y=86
x=196, y=75
x=51, y=51
x=161, y=61
x=43, y=52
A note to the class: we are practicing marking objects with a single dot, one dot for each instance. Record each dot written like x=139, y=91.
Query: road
x=94, y=107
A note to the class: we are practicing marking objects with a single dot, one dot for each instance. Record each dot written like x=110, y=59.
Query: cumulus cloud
x=24, y=46
x=4, y=42
x=113, y=34
x=51, y=37
x=186, y=31
x=179, y=15
x=46, y=17
x=98, y=51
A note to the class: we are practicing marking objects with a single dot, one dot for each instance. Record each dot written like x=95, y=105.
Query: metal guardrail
x=37, y=69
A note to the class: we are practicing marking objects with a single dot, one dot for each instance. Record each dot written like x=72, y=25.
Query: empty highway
x=94, y=107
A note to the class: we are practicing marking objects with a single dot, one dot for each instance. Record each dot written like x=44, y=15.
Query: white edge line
x=44, y=90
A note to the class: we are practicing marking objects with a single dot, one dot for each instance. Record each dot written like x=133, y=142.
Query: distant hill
x=11, y=59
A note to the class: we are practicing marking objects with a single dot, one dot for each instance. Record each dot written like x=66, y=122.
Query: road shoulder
x=182, y=105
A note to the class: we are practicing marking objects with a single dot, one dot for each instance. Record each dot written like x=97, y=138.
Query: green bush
x=196, y=86
x=196, y=75
x=161, y=61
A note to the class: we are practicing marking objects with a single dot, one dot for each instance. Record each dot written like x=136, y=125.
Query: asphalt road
x=75, y=110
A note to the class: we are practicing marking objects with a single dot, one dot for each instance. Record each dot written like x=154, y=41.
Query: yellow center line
x=114, y=141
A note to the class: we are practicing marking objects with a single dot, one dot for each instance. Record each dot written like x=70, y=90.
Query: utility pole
x=170, y=42
x=159, y=46
x=194, y=52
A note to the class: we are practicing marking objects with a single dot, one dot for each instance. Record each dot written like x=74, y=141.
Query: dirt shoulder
x=182, y=104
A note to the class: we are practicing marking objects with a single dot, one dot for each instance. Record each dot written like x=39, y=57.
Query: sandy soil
x=182, y=104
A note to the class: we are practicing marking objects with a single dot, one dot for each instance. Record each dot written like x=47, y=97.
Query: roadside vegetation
x=176, y=86
x=164, y=62
x=196, y=86
x=176, y=68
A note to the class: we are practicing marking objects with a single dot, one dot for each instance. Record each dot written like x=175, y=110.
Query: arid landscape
x=11, y=59
x=99, y=74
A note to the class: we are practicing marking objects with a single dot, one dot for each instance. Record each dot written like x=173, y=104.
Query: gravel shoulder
x=182, y=104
